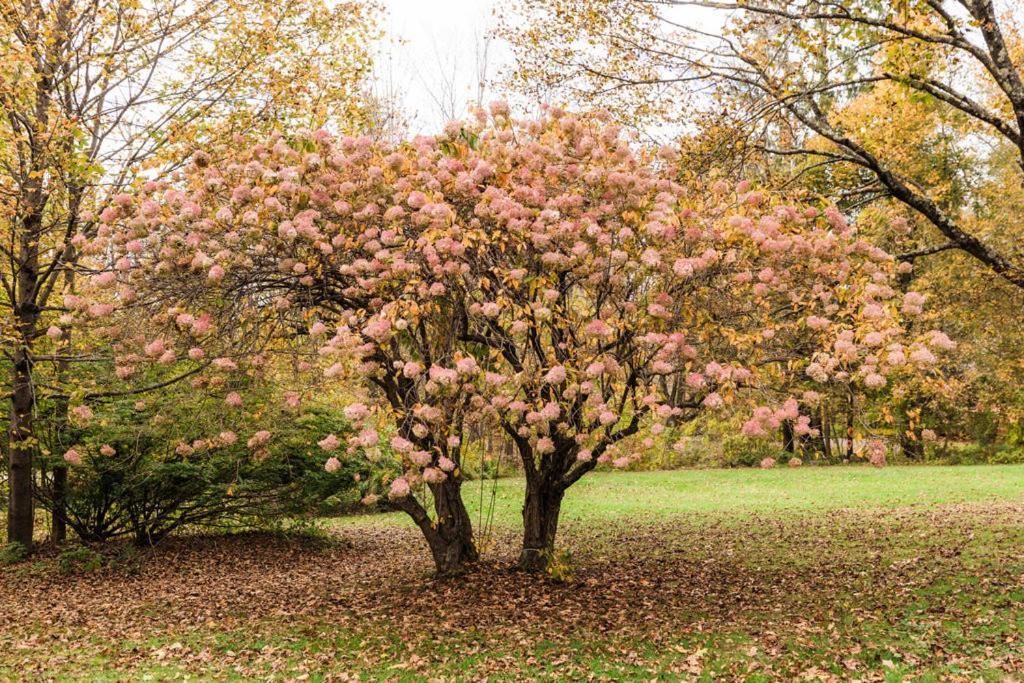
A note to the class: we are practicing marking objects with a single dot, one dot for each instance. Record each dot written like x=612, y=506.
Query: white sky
x=440, y=40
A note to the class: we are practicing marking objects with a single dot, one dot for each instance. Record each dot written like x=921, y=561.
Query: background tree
x=799, y=64
x=98, y=94
x=908, y=111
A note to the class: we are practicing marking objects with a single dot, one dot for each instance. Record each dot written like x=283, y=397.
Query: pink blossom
x=72, y=457
x=713, y=400
x=555, y=375
x=400, y=444
x=416, y=200
x=155, y=347
x=356, y=412
x=82, y=413
x=940, y=341
x=329, y=442
x=333, y=464
x=233, y=399
x=420, y=457
x=753, y=428
x=433, y=475
x=816, y=323
x=367, y=438
x=876, y=453
x=466, y=365
x=258, y=439
x=399, y=489
x=598, y=328
x=874, y=380
x=922, y=356
x=873, y=312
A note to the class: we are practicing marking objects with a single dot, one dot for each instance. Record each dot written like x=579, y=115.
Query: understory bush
x=142, y=470
x=976, y=454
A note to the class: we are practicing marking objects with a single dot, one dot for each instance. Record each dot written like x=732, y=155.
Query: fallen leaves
x=822, y=596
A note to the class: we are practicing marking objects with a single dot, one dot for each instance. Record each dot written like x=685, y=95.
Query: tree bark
x=453, y=546
x=788, y=440
x=826, y=433
x=22, y=442
x=58, y=519
x=25, y=299
x=450, y=533
x=20, y=511
x=541, y=508
x=850, y=430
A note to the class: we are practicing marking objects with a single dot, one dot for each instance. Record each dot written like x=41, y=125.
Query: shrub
x=144, y=472
x=741, y=451
x=12, y=553
x=79, y=559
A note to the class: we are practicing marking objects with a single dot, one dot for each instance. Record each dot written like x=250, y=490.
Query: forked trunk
x=452, y=546
x=540, y=524
x=450, y=533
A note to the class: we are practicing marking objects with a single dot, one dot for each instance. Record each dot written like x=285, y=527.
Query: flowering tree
x=544, y=278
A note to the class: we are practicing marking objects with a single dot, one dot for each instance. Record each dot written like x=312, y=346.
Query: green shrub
x=12, y=553
x=741, y=451
x=183, y=460
x=1007, y=455
x=976, y=454
x=78, y=559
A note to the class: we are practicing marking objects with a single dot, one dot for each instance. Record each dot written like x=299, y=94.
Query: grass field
x=816, y=573
x=610, y=496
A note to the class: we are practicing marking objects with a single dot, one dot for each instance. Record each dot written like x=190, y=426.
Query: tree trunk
x=540, y=523
x=450, y=533
x=826, y=433
x=58, y=520
x=814, y=445
x=850, y=430
x=20, y=513
x=788, y=441
x=452, y=547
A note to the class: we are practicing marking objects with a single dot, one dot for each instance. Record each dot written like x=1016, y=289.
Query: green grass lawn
x=903, y=573
x=612, y=496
